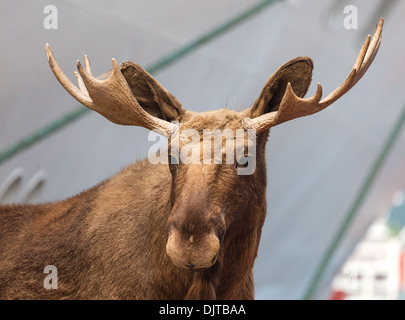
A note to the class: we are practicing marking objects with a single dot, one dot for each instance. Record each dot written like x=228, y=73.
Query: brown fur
x=110, y=241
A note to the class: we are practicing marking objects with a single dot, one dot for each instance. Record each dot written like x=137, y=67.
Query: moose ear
x=150, y=94
x=298, y=72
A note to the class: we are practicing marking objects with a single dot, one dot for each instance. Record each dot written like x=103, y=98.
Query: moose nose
x=195, y=254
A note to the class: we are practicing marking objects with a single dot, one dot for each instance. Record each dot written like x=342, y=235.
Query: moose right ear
x=150, y=94
x=298, y=72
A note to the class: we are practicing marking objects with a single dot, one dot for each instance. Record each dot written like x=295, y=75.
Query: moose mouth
x=193, y=267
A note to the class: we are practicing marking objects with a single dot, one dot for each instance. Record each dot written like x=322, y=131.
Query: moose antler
x=292, y=107
x=111, y=97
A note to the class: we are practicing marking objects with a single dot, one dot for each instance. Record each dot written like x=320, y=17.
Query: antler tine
x=87, y=64
x=79, y=95
x=363, y=62
x=80, y=82
x=373, y=49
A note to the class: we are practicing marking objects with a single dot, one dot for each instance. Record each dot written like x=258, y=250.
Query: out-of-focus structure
x=376, y=267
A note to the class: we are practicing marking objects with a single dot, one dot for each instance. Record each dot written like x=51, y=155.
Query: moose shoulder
x=170, y=230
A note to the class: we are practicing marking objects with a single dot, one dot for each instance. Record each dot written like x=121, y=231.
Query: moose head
x=210, y=198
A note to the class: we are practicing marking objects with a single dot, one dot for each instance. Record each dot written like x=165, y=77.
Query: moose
x=169, y=230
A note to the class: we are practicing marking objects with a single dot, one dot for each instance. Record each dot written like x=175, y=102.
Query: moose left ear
x=298, y=72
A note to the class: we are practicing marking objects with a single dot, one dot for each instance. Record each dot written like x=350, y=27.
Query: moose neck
x=231, y=276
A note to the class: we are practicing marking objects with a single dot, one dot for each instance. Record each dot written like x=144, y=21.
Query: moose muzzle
x=194, y=252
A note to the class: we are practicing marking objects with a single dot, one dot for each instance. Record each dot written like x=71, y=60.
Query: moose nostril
x=190, y=265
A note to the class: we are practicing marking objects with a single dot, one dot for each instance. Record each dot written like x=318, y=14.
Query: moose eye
x=173, y=163
x=243, y=162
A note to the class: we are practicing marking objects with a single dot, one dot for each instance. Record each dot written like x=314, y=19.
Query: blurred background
x=335, y=179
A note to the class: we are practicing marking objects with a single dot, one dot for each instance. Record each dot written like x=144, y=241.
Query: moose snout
x=193, y=252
